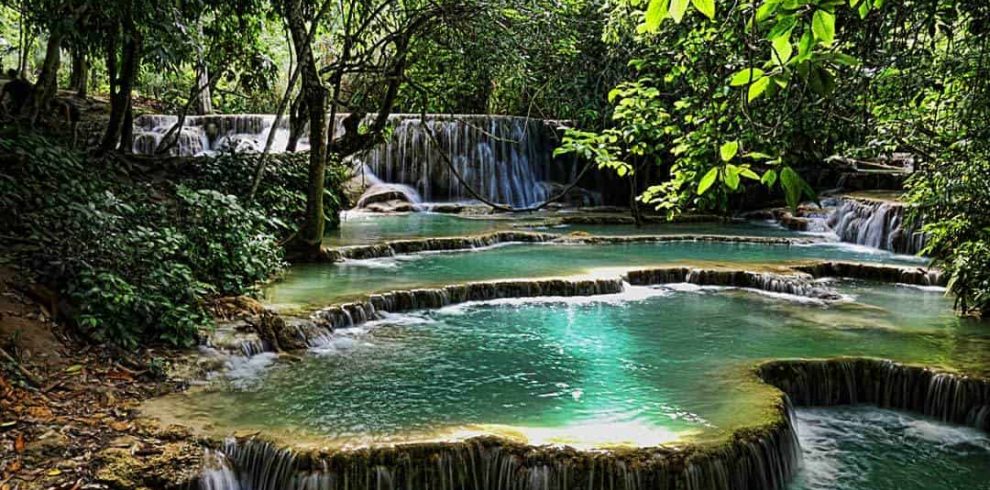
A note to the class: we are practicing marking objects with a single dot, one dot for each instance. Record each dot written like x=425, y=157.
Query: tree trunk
x=121, y=84
x=297, y=122
x=310, y=237
x=204, y=101
x=79, y=80
x=47, y=85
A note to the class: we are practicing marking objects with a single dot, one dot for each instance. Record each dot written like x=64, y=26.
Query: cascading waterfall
x=206, y=135
x=797, y=284
x=947, y=397
x=877, y=224
x=763, y=459
x=506, y=159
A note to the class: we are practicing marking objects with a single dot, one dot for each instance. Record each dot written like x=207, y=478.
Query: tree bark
x=47, y=85
x=309, y=239
x=122, y=83
x=297, y=122
x=79, y=80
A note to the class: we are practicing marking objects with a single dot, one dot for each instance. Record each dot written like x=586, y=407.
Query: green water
x=645, y=367
x=322, y=284
x=854, y=448
x=747, y=228
x=363, y=228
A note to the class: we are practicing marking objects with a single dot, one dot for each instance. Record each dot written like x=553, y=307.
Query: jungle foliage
x=730, y=95
x=137, y=253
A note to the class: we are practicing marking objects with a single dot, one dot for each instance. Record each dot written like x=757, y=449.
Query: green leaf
x=864, y=9
x=677, y=9
x=732, y=176
x=755, y=155
x=793, y=186
x=656, y=12
x=823, y=25
x=782, y=49
x=621, y=170
x=749, y=174
x=766, y=10
x=769, y=178
x=729, y=150
x=783, y=26
x=805, y=46
x=757, y=88
x=707, y=180
x=706, y=7
x=745, y=76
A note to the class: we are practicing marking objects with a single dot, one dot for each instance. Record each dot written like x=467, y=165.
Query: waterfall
x=758, y=459
x=877, y=224
x=206, y=135
x=947, y=397
x=506, y=159
x=796, y=284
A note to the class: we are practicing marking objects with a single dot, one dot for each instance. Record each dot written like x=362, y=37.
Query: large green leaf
x=706, y=7
x=677, y=9
x=823, y=25
x=782, y=49
x=707, y=180
x=794, y=186
x=732, y=176
x=655, y=13
x=757, y=88
x=745, y=76
x=729, y=150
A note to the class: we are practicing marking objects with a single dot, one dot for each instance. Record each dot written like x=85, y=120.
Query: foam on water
x=868, y=448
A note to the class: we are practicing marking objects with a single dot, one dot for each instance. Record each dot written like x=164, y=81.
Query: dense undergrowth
x=134, y=251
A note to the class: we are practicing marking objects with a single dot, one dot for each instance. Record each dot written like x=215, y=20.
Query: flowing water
x=852, y=448
x=322, y=284
x=644, y=367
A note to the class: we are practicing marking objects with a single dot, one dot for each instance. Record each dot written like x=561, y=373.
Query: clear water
x=854, y=448
x=747, y=228
x=323, y=284
x=645, y=367
x=363, y=228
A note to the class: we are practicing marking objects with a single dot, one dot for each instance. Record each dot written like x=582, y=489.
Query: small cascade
x=947, y=397
x=206, y=135
x=405, y=247
x=796, y=284
x=917, y=276
x=218, y=473
x=876, y=223
x=759, y=459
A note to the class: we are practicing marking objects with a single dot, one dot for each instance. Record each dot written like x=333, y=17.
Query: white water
x=507, y=160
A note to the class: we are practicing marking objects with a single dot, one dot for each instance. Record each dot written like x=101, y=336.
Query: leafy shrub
x=137, y=256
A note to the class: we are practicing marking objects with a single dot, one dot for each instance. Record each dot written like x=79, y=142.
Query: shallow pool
x=323, y=284
x=644, y=367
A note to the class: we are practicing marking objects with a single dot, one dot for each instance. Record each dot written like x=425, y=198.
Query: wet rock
x=130, y=463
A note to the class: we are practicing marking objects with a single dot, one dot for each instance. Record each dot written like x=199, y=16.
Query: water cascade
x=797, y=284
x=947, y=397
x=876, y=223
x=760, y=459
x=506, y=159
x=205, y=135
